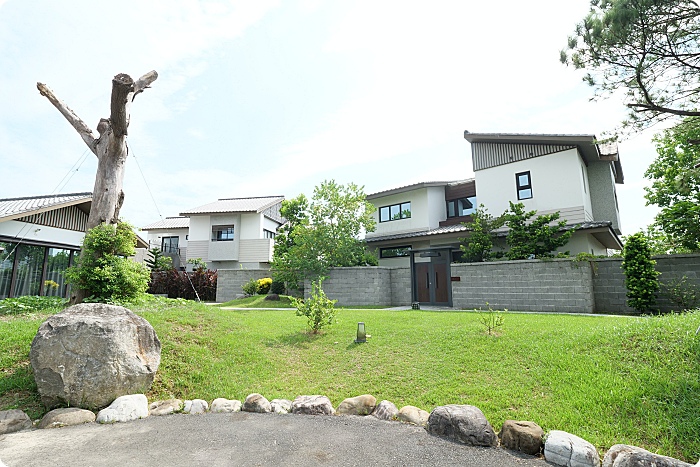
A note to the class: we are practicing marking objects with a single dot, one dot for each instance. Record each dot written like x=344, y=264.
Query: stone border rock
x=465, y=424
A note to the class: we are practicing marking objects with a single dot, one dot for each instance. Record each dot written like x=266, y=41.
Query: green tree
x=103, y=270
x=324, y=234
x=648, y=50
x=478, y=246
x=675, y=185
x=641, y=279
x=533, y=238
x=157, y=261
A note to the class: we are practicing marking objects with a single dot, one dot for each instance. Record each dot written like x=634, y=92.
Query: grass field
x=607, y=379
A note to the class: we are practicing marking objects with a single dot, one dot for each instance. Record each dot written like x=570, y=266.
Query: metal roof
x=169, y=223
x=502, y=232
x=414, y=186
x=12, y=208
x=226, y=205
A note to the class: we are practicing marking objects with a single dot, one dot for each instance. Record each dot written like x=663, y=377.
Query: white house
x=39, y=238
x=420, y=224
x=170, y=235
x=229, y=233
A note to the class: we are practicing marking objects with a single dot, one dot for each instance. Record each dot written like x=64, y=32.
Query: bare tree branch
x=80, y=126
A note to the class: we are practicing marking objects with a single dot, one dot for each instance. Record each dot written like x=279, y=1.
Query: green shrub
x=278, y=287
x=318, y=308
x=264, y=285
x=250, y=287
x=641, y=279
x=103, y=270
x=30, y=304
x=157, y=261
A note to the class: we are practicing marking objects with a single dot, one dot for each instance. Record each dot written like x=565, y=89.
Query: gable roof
x=227, y=205
x=169, y=223
x=14, y=208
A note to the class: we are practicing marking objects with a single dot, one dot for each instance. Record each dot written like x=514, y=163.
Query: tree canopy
x=323, y=233
x=647, y=49
x=675, y=185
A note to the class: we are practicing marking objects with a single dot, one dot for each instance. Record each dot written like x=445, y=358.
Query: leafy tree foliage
x=641, y=279
x=323, y=233
x=157, y=261
x=478, y=246
x=648, y=49
x=676, y=185
x=533, y=238
x=103, y=270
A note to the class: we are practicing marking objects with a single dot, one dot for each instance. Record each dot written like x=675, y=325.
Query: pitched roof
x=502, y=232
x=169, y=223
x=257, y=204
x=414, y=186
x=12, y=208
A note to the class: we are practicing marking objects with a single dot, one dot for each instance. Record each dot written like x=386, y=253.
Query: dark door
x=422, y=271
x=432, y=282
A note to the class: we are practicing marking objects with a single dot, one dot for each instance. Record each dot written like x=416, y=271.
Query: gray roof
x=499, y=233
x=12, y=208
x=227, y=205
x=586, y=144
x=169, y=223
x=414, y=186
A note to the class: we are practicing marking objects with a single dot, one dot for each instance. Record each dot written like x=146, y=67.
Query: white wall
x=41, y=233
x=155, y=237
x=427, y=209
x=251, y=226
x=556, y=180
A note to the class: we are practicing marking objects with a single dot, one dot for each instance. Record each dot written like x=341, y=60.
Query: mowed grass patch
x=257, y=301
x=607, y=379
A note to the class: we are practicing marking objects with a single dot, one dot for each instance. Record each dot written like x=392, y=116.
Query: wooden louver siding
x=485, y=155
x=460, y=190
x=68, y=218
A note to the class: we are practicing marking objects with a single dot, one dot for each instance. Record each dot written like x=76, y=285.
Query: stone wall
x=554, y=285
x=359, y=286
x=230, y=281
x=531, y=285
x=609, y=281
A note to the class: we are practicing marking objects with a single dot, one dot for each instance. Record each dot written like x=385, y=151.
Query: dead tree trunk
x=109, y=145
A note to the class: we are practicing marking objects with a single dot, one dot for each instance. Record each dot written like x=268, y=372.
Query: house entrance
x=430, y=281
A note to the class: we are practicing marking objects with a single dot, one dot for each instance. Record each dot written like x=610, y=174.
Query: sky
x=264, y=97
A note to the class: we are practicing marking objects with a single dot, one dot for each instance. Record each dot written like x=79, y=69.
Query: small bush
x=31, y=304
x=318, y=308
x=491, y=320
x=250, y=287
x=264, y=285
x=278, y=287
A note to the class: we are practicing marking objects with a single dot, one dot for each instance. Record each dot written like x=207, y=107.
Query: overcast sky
x=260, y=98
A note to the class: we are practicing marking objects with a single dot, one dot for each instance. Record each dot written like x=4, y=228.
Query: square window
x=222, y=233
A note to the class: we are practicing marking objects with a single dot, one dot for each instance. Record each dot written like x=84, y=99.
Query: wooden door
x=422, y=271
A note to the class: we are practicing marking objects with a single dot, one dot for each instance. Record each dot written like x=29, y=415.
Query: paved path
x=247, y=439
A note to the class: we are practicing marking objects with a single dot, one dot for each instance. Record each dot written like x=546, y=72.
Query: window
x=222, y=233
x=269, y=233
x=461, y=207
x=395, y=212
x=395, y=252
x=169, y=244
x=523, y=184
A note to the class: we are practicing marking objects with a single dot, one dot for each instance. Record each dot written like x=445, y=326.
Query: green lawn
x=258, y=301
x=607, y=379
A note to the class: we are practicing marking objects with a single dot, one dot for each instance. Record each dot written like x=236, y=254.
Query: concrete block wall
x=230, y=281
x=609, y=281
x=401, y=286
x=358, y=286
x=555, y=285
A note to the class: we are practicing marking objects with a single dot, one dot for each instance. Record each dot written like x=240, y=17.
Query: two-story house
x=230, y=233
x=420, y=225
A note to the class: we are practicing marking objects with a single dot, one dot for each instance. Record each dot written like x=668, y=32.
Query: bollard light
x=361, y=334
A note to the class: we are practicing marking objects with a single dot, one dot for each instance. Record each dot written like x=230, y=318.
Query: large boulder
x=522, y=436
x=360, y=405
x=386, y=410
x=90, y=354
x=567, y=450
x=622, y=455
x=312, y=405
x=464, y=423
